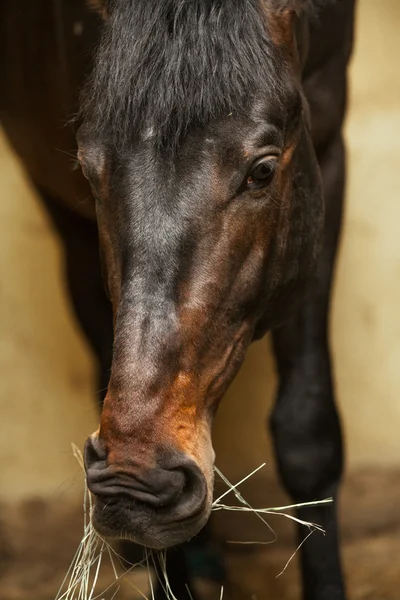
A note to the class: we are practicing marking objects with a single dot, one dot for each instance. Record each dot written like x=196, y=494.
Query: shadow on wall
x=46, y=371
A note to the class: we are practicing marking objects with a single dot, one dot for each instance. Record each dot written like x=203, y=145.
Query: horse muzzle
x=159, y=506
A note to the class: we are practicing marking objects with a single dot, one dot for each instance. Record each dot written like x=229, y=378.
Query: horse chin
x=146, y=528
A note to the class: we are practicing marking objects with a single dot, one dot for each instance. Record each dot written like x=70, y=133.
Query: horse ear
x=286, y=26
x=99, y=6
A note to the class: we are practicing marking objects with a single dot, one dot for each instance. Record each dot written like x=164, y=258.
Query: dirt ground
x=38, y=539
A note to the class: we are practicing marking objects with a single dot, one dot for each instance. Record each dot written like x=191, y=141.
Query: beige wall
x=46, y=373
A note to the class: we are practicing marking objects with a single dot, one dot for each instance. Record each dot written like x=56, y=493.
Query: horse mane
x=169, y=65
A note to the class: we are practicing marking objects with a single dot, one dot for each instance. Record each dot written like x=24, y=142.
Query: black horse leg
x=173, y=574
x=199, y=558
x=85, y=286
x=305, y=422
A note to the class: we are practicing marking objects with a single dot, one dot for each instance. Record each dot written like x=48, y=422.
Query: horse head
x=195, y=138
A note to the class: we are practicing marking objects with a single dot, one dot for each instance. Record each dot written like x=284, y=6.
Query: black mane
x=172, y=64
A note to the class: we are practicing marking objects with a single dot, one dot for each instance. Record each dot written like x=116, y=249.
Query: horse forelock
x=167, y=65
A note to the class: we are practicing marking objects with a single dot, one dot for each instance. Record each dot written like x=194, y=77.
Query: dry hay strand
x=81, y=580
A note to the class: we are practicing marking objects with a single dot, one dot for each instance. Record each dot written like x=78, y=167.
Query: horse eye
x=261, y=173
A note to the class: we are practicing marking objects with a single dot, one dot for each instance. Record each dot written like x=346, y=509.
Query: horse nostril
x=176, y=482
x=94, y=454
x=194, y=491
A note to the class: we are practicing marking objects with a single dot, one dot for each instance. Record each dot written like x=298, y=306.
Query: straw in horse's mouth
x=81, y=579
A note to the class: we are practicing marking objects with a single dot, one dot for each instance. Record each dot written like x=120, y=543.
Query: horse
x=208, y=167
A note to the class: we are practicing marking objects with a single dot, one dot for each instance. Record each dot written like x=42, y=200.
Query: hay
x=82, y=576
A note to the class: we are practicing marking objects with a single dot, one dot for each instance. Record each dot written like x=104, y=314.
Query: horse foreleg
x=84, y=280
x=305, y=422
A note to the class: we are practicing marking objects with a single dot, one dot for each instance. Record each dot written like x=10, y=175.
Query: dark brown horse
x=204, y=129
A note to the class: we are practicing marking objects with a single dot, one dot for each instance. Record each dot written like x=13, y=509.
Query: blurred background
x=47, y=373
